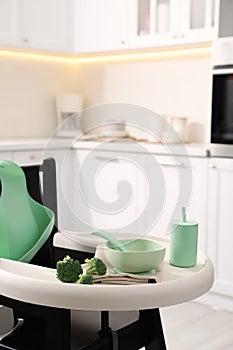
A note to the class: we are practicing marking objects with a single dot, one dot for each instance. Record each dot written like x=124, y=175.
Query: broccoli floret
x=95, y=267
x=85, y=279
x=68, y=270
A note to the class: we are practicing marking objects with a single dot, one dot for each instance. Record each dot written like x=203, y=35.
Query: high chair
x=44, y=305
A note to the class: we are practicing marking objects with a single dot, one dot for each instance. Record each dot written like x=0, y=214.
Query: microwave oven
x=222, y=92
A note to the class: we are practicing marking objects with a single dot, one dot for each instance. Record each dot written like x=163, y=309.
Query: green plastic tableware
x=112, y=240
x=25, y=225
x=183, y=242
x=142, y=255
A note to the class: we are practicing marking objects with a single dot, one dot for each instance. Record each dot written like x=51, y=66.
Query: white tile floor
x=192, y=326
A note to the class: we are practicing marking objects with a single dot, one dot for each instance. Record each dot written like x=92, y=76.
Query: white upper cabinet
x=114, y=25
x=193, y=20
x=171, y=22
x=149, y=23
x=45, y=24
x=95, y=26
x=9, y=22
x=33, y=24
x=100, y=25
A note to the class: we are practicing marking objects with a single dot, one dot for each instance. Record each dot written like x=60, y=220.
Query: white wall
x=180, y=87
x=27, y=90
x=171, y=87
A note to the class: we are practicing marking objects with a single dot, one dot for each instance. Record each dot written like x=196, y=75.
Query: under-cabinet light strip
x=191, y=52
x=166, y=54
x=35, y=56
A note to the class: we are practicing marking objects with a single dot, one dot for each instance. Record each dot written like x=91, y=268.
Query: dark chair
x=42, y=186
x=50, y=328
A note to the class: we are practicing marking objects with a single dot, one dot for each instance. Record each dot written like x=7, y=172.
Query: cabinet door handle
x=212, y=166
x=179, y=36
x=107, y=159
x=33, y=157
x=170, y=164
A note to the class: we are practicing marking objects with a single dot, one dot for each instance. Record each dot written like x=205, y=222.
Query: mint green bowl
x=142, y=255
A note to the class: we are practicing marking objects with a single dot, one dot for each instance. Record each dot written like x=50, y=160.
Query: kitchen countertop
x=195, y=150
x=31, y=144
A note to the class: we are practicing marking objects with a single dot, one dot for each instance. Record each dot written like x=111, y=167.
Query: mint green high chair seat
x=25, y=224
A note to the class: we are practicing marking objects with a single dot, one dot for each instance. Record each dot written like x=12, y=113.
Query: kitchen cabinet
x=79, y=26
x=103, y=200
x=95, y=26
x=45, y=24
x=29, y=157
x=178, y=182
x=171, y=22
x=100, y=25
x=4, y=155
x=220, y=231
x=32, y=24
x=10, y=22
x=193, y=20
x=106, y=190
x=197, y=206
x=114, y=25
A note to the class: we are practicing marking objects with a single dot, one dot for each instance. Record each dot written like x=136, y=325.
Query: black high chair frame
x=49, y=328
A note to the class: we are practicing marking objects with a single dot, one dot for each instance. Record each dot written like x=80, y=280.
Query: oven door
x=222, y=106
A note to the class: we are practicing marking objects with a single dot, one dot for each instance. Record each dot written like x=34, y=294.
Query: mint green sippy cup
x=183, y=242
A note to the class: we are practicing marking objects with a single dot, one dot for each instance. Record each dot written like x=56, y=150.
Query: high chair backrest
x=42, y=186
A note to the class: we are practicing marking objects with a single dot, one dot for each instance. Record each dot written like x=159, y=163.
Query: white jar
x=179, y=124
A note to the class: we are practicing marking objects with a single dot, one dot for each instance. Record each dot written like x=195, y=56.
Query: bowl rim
x=161, y=248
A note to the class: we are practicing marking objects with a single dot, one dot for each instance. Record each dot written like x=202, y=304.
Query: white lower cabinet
x=174, y=182
x=138, y=193
x=6, y=155
x=220, y=224
x=27, y=157
x=106, y=190
x=197, y=206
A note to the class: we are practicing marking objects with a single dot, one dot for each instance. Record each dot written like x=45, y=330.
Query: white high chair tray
x=39, y=285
